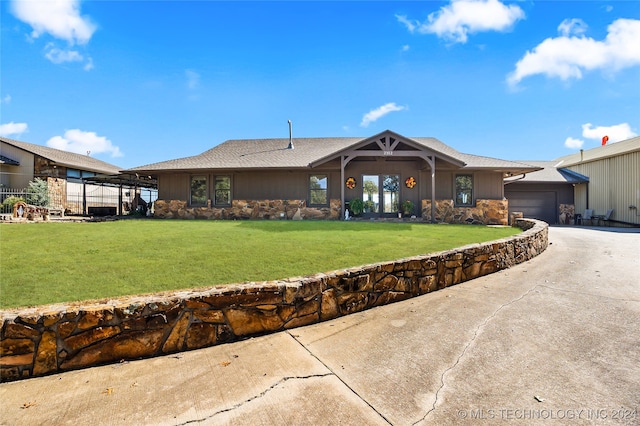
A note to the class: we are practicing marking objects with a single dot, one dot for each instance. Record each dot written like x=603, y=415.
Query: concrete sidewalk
x=556, y=339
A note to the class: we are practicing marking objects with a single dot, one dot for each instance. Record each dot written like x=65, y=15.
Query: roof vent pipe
x=290, y=136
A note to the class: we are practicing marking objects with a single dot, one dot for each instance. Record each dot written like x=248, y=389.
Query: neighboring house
x=316, y=178
x=613, y=173
x=65, y=172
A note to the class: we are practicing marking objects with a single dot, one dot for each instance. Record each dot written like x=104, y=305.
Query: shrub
x=9, y=202
x=38, y=193
x=356, y=206
x=407, y=207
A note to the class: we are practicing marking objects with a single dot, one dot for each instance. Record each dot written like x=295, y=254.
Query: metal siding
x=614, y=183
x=17, y=177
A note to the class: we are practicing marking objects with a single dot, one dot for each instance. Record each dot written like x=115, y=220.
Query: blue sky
x=137, y=82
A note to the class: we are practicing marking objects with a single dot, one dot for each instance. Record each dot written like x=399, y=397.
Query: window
x=75, y=175
x=198, y=190
x=390, y=193
x=371, y=193
x=318, y=190
x=464, y=190
x=222, y=195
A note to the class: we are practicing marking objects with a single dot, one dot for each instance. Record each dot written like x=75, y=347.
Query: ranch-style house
x=320, y=178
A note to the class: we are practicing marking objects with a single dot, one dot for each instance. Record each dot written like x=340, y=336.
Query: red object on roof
x=604, y=140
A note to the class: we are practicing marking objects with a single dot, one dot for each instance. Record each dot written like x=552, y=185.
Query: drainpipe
x=587, y=194
x=515, y=180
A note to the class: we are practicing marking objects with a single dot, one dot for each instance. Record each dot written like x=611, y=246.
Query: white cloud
x=405, y=48
x=616, y=133
x=58, y=56
x=573, y=26
x=6, y=99
x=460, y=18
x=81, y=142
x=573, y=143
x=568, y=56
x=59, y=18
x=411, y=25
x=379, y=112
x=89, y=65
x=12, y=128
x=193, y=79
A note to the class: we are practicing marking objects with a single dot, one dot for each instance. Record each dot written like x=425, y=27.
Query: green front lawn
x=43, y=263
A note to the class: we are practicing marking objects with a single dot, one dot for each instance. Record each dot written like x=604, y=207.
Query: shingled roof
x=275, y=154
x=65, y=158
x=549, y=173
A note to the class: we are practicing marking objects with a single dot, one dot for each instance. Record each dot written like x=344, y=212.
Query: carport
x=124, y=182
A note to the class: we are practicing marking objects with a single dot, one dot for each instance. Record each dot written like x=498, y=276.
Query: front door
x=380, y=194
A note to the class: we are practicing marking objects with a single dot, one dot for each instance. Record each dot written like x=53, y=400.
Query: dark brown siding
x=173, y=186
x=294, y=184
x=279, y=185
x=488, y=185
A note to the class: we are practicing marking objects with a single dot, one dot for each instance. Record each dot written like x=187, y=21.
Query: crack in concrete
x=464, y=351
x=340, y=378
x=584, y=293
x=260, y=395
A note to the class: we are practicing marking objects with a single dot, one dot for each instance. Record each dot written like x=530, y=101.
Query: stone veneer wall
x=485, y=212
x=57, y=192
x=567, y=214
x=51, y=339
x=247, y=209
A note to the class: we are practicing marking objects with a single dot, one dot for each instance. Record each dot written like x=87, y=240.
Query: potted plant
x=407, y=207
x=369, y=206
x=356, y=206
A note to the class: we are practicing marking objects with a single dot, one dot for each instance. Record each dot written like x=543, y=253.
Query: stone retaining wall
x=52, y=339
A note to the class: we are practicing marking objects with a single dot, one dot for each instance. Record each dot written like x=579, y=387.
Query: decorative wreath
x=410, y=182
x=351, y=183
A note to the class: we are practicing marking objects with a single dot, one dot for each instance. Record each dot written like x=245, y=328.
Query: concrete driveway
x=556, y=339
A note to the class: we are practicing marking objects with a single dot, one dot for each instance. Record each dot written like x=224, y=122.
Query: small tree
x=38, y=193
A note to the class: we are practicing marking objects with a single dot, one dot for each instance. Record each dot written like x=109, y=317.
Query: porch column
x=119, y=211
x=342, y=206
x=433, y=193
x=431, y=161
x=84, y=198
